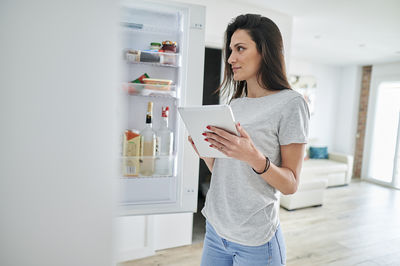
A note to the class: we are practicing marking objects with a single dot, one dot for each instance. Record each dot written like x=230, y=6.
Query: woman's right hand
x=194, y=146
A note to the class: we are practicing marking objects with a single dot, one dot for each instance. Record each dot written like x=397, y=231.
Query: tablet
x=197, y=118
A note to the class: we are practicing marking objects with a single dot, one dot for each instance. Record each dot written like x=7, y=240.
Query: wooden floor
x=358, y=224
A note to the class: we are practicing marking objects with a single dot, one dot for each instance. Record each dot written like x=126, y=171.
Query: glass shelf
x=152, y=58
x=147, y=166
x=140, y=89
x=145, y=28
x=155, y=64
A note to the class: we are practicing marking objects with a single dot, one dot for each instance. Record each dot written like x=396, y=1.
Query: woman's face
x=244, y=59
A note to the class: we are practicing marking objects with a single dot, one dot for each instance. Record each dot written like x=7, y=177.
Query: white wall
x=347, y=106
x=220, y=13
x=58, y=137
x=337, y=101
x=323, y=122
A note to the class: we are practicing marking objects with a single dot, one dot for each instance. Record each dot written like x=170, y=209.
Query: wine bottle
x=165, y=138
x=149, y=144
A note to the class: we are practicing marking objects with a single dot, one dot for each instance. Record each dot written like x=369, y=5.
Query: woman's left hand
x=238, y=147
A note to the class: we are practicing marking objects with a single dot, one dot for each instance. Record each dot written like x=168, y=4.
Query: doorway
x=383, y=164
x=212, y=80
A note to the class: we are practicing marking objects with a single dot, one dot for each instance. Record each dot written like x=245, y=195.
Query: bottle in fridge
x=149, y=144
x=165, y=140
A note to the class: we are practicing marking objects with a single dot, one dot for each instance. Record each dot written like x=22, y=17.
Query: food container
x=132, y=55
x=132, y=149
x=140, y=79
x=157, y=84
x=155, y=46
x=133, y=88
x=169, y=46
x=168, y=59
x=149, y=56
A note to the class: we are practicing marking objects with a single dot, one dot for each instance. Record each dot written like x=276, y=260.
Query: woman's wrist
x=267, y=165
x=258, y=162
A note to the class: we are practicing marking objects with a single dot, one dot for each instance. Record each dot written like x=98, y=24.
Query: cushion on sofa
x=318, y=152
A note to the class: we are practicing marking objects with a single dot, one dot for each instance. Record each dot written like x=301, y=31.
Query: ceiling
x=342, y=32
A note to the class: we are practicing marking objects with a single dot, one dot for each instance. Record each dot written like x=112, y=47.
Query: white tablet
x=198, y=118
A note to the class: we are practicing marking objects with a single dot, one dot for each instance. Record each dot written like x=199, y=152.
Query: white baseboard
x=378, y=182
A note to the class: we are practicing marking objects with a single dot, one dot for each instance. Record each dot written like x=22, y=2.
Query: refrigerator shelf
x=157, y=166
x=146, y=28
x=146, y=177
x=157, y=95
x=146, y=92
x=152, y=58
x=139, y=89
x=155, y=64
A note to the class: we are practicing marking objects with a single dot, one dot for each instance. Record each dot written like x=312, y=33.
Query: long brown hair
x=268, y=39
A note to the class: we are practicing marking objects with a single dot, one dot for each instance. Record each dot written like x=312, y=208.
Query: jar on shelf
x=155, y=46
x=168, y=47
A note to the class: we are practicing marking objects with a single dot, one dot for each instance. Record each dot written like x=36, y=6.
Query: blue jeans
x=218, y=251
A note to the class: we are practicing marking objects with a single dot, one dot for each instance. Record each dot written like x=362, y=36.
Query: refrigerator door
x=143, y=25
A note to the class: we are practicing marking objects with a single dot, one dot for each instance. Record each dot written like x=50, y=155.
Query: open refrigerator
x=143, y=23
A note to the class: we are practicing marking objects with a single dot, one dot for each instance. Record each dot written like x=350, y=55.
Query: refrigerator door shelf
x=156, y=166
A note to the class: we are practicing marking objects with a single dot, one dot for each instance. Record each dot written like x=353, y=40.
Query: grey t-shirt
x=240, y=205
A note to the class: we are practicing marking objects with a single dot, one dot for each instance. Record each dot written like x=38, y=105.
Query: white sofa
x=316, y=175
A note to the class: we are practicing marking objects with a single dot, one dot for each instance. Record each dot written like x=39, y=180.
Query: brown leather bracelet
x=267, y=164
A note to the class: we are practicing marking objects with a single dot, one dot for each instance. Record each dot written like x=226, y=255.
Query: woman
x=241, y=208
